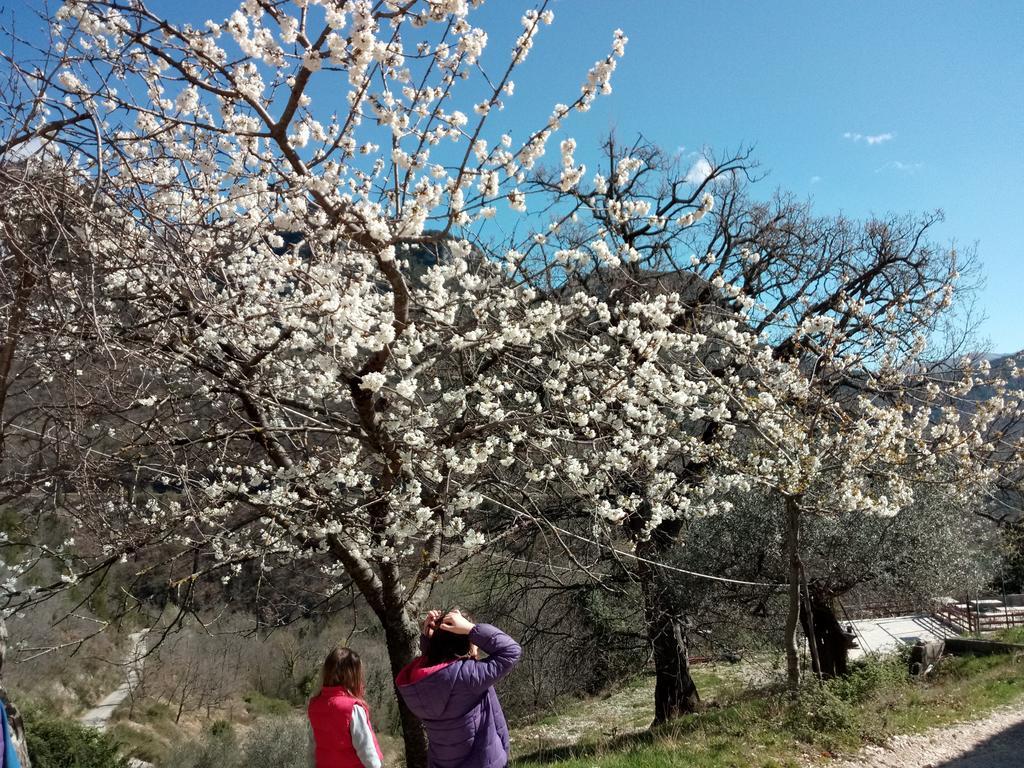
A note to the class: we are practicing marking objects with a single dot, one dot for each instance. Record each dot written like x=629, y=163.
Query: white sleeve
x=362, y=738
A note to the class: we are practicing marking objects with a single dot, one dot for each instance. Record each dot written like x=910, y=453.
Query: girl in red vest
x=340, y=719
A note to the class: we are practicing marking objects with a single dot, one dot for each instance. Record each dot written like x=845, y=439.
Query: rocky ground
x=996, y=741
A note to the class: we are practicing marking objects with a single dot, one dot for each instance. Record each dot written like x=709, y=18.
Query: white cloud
x=872, y=139
x=815, y=179
x=897, y=165
x=699, y=171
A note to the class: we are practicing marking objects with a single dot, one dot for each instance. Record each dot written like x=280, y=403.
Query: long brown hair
x=343, y=667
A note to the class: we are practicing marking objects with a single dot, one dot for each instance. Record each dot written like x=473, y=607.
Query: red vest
x=330, y=715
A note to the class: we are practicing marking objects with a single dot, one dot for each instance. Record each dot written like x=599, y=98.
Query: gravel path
x=99, y=716
x=994, y=742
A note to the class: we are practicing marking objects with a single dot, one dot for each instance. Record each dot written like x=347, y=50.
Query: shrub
x=279, y=742
x=868, y=676
x=61, y=743
x=820, y=715
x=221, y=728
x=833, y=713
x=138, y=742
x=218, y=748
x=259, y=705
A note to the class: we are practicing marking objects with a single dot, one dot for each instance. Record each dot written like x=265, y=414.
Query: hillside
x=745, y=726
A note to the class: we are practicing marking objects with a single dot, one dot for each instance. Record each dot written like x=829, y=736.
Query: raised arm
x=503, y=654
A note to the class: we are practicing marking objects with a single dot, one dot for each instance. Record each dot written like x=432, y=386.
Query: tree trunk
x=793, y=616
x=830, y=638
x=675, y=692
x=402, y=639
x=381, y=586
x=17, y=727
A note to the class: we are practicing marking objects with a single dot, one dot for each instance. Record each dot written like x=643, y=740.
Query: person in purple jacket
x=452, y=691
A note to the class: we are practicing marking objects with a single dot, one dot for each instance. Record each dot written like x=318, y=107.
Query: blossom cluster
x=330, y=363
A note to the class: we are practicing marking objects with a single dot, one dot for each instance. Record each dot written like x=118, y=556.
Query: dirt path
x=996, y=741
x=99, y=716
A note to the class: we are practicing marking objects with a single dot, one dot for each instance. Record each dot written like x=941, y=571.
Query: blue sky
x=939, y=86
x=866, y=107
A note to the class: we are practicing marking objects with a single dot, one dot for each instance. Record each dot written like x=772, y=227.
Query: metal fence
x=974, y=616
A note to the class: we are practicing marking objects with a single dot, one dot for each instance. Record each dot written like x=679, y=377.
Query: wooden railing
x=966, y=618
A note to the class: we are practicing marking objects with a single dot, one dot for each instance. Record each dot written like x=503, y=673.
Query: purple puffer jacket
x=457, y=703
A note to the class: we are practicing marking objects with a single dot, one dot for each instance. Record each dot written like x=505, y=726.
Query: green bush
x=280, y=742
x=221, y=728
x=821, y=716
x=833, y=714
x=868, y=676
x=60, y=743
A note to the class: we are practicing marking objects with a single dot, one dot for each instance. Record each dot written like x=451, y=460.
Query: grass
x=1015, y=635
x=766, y=729
x=622, y=711
x=149, y=732
x=138, y=742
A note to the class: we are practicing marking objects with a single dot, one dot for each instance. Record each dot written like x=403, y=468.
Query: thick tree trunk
x=675, y=692
x=402, y=639
x=793, y=616
x=829, y=638
x=17, y=727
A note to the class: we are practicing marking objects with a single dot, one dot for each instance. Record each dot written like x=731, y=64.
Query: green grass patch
x=768, y=729
x=1015, y=635
x=259, y=705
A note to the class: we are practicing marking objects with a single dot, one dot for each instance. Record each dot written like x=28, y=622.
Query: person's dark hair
x=343, y=667
x=447, y=646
